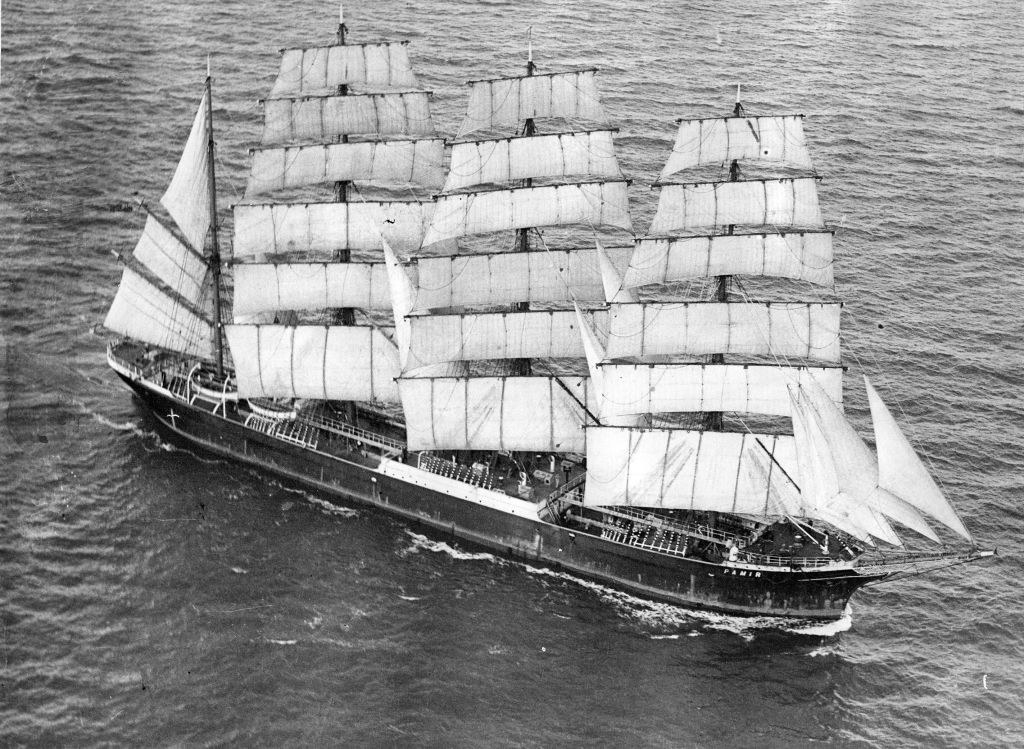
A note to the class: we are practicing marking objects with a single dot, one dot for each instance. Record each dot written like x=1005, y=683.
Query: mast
x=215, y=248
x=523, y=367
x=344, y=315
x=713, y=420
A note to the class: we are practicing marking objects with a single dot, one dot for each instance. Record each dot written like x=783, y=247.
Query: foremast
x=783, y=355
x=675, y=363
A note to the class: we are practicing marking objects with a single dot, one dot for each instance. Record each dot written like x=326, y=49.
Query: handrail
x=340, y=427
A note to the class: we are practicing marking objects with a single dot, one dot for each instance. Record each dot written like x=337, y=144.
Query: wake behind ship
x=487, y=349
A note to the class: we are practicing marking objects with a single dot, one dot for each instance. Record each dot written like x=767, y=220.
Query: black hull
x=684, y=581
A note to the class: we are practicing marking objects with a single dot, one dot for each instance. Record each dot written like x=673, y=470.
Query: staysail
x=901, y=472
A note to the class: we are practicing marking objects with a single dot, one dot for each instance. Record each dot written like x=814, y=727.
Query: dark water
x=149, y=597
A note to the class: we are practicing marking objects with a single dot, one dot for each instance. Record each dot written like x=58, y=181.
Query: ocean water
x=150, y=596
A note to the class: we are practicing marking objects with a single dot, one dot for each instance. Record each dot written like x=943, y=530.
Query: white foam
x=661, y=616
x=422, y=543
x=324, y=506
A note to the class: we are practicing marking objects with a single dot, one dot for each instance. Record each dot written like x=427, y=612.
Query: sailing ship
x=487, y=351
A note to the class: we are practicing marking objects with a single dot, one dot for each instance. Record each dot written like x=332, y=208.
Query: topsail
x=317, y=69
x=777, y=140
x=502, y=102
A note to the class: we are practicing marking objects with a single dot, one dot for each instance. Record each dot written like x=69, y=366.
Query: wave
x=422, y=543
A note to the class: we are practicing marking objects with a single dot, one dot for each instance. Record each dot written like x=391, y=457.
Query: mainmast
x=523, y=367
x=218, y=343
x=343, y=315
x=477, y=306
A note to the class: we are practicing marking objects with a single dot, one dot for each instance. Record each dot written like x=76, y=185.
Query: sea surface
x=152, y=597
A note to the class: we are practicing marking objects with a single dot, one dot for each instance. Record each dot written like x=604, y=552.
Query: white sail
x=397, y=162
x=493, y=162
x=317, y=69
x=327, y=118
x=495, y=335
x=314, y=361
x=276, y=228
x=402, y=293
x=804, y=256
x=491, y=413
x=799, y=330
x=611, y=278
x=142, y=311
x=700, y=207
x=901, y=471
x=507, y=102
x=508, y=277
x=592, y=204
x=665, y=388
x=775, y=140
x=684, y=469
x=172, y=262
x=187, y=198
x=844, y=477
x=268, y=287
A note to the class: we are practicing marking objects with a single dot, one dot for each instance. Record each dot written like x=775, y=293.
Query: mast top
x=530, y=67
x=737, y=111
x=342, y=28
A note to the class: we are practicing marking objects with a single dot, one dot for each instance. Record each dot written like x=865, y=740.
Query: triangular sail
x=847, y=468
x=187, y=198
x=821, y=486
x=901, y=471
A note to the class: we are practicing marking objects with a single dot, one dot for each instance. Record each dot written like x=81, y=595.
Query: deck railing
x=465, y=474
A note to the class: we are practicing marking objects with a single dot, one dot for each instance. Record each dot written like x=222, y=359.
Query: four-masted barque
x=486, y=350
